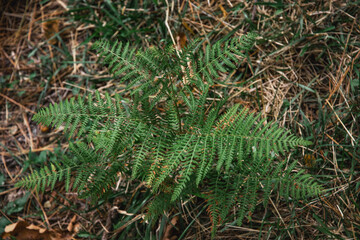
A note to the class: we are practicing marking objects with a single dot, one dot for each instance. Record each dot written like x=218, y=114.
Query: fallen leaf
x=168, y=234
x=73, y=227
x=13, y=130
x=310, y=160
x=44, y=129
x=51, y=28
x=47, y=204
x=22, y=230
x=181, y=40
x=33, y=227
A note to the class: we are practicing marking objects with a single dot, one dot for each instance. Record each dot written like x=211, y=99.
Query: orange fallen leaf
x=181, y=40
x=310, y=160
x=73, y=227
x=44, y=129
x=50, y=29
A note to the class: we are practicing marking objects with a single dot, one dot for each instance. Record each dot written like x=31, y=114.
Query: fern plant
x=172, y=135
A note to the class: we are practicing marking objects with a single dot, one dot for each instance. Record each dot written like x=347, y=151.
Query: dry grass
x=304, y=73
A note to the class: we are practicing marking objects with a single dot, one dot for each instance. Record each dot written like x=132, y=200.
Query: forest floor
x=304, y=73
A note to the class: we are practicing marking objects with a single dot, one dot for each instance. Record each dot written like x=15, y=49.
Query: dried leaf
x=22, y=230
x=50, y=29
x=168, y=234
x=73, y=227
x=44, y=129
x=13, y=130
x=47, y=204
x=310, y=160
x=181, y=40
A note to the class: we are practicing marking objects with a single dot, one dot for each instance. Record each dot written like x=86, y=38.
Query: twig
x=42, y=209
x=6, y=169
x=352, y=138
x=29, y=130
x=168, y=27
x=15, y=102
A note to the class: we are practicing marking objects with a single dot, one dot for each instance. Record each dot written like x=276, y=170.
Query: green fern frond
x=45, y=177
x=298, y=185
x=76, y=114
x=120, y=60
x=221, y=54
x=222, y=194
x=247, y=201
x=172, y=136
